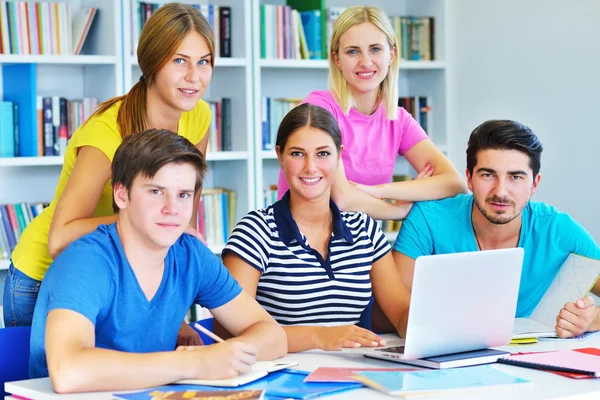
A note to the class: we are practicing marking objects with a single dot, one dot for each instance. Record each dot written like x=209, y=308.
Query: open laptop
x=459, y=302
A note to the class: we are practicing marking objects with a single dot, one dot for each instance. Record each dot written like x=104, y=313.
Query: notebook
x=467, y=358
x=333, y=374
x=569, y=361
x=574, y=280
x=192, y=394
x=257, y=371
x=438, y=381
x=285, y=384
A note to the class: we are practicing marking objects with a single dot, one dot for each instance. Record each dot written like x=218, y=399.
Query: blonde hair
x=388, y=90
x=160, y=37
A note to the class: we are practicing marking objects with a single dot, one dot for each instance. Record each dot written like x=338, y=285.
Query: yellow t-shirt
x=31, y=256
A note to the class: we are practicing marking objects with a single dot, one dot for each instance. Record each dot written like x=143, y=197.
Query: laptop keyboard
x=394, y=349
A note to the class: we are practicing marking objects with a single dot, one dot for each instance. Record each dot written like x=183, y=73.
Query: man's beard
x=498, y=219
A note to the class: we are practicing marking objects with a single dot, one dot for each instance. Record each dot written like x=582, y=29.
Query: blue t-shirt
x=547, y=236
x=93, y=278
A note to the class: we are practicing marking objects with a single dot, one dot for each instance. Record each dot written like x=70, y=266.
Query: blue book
x=19, y=86
x=463, y=359
x=7, y=129
x=288, y=384
x=10, y=234
x=311, y=22
x=438, y=381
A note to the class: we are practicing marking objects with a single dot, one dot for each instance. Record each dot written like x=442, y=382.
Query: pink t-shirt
x=371, y=142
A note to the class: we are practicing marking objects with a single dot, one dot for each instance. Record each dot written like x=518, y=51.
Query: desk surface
x=545, y=385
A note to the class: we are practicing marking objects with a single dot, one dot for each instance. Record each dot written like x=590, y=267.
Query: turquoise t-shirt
x=547, y=236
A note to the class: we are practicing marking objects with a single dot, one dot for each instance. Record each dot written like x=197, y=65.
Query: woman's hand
x=195, y=233
x=333, y=338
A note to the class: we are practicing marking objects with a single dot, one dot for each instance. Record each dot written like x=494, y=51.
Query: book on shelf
x=81, y=27
x=219, y=18
x=220, y=130
x=416, y=37
x=217, y=215
x=273, y=111
x=270, y=195
x=14, y=218
x=40, y=28
x=419, y=107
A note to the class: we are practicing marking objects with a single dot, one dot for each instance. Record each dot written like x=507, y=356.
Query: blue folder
x=287, y=384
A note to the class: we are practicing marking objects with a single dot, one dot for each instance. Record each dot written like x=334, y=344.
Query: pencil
x=208, y=333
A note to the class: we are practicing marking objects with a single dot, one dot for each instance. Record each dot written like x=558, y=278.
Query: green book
x=307, y=5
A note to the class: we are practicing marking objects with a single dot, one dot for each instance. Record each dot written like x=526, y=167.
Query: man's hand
x=223, y=360
x=351, y=336
x=187, y=336
x=576, y=317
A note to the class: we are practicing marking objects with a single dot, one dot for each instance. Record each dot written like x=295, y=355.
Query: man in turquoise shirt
x=503, y=163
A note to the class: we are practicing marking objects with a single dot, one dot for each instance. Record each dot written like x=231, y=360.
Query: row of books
x=219, y=131
x=290, y=34
x=57, y=120
x=216, y=215
x=270, y=196
x=419, y=108
x=13, y=220
x=219, y=18
x=416, y=37
x=273, y=110
x=42, y=28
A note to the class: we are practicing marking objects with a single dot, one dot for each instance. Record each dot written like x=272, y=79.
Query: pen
x=208, y=333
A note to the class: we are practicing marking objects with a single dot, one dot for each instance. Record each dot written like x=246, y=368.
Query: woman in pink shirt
x=363, y=96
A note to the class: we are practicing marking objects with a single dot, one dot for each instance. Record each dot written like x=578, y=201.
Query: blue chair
x=208, y=324
x=14, y=354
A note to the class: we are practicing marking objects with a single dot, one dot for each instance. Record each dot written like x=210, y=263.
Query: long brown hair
x=160, y=37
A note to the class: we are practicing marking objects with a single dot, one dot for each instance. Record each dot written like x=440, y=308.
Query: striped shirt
x=297, y=286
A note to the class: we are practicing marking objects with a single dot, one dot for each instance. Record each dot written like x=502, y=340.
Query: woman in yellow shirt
x=175, y=54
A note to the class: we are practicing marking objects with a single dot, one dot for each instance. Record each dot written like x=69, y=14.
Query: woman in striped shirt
x=312, y=267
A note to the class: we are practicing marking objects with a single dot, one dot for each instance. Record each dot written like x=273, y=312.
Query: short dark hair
x=146, y=152
x=505, y=135
x=312, y=116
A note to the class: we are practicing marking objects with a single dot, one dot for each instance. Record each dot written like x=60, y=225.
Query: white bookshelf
x=96, y=72
x=4, y=264
x=297, y=78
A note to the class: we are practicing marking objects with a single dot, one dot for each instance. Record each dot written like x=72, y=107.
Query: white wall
x=537, y=62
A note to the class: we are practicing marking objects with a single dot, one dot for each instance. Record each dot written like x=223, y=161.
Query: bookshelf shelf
x=4, y=264
x=64, y=60
x=31, y=161
x=268, y=155
x=324, y=64
x=227, y=156
x=55, y=160
x=219, y=62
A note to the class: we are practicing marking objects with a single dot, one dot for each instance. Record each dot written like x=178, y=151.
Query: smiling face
x=182, y=81
x=502, y=184
x=364, y=57
x=309, y=162
x=158, y=209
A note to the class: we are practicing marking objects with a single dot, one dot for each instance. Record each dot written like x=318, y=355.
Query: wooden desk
x=545, y=385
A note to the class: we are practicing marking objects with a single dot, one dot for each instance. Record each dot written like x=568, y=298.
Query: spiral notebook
x=570, y=361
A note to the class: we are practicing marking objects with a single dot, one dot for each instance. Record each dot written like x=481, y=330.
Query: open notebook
x=258, y=370
x=574, y=280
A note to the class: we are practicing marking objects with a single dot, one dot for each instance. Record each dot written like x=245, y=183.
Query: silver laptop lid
x=463, y=301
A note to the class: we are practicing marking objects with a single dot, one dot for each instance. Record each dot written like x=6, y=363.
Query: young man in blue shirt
x=503, y=163
x=111, y=305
